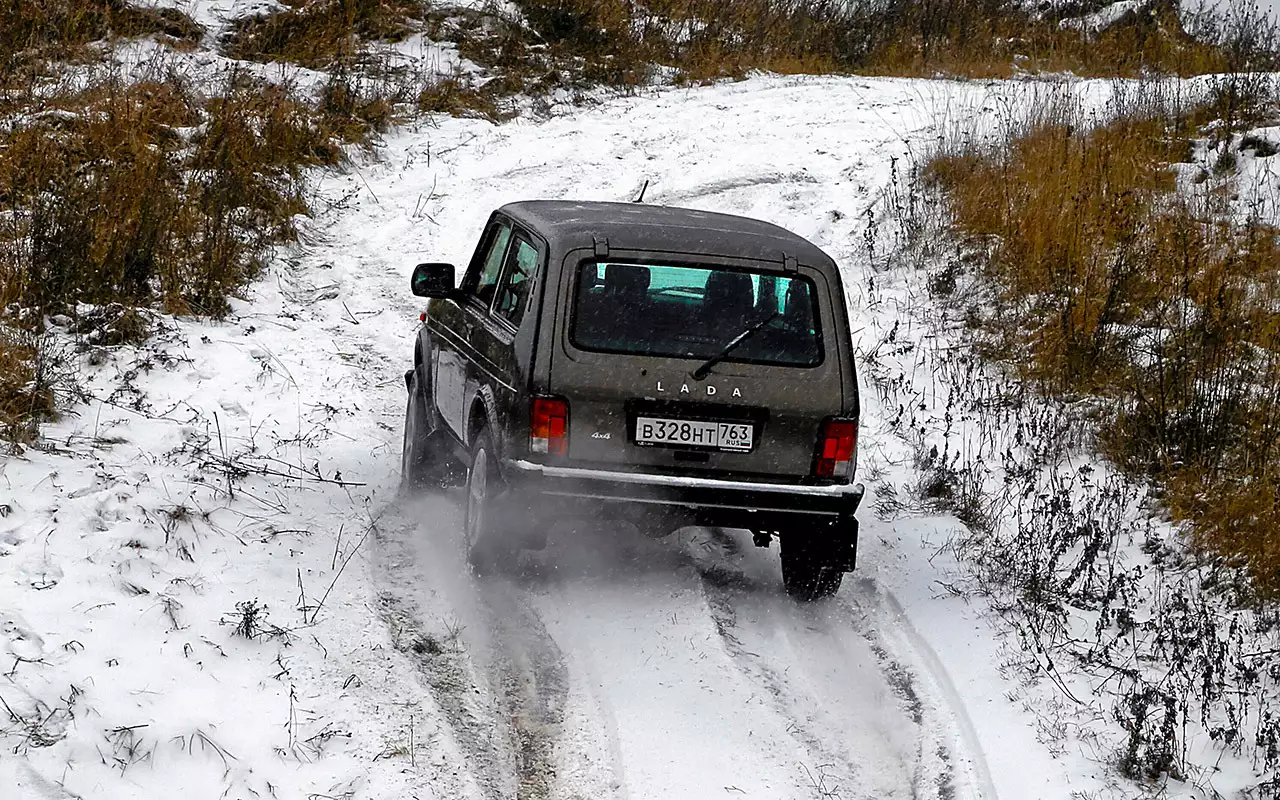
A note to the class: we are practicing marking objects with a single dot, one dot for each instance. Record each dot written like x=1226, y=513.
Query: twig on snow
x=347, y=560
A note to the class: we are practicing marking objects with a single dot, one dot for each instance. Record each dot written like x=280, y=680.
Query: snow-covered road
x=616, y=666
x=258, y=459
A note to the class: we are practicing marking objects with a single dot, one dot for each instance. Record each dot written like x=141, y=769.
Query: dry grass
x=125, y=194
x=708, y=39
x=22, y=400
x=981, y=38
x=322, y=33
x=701, y=39
x=458, y=96
x=1110, y=285
x=143, y=193
x=58, y=27
x=574, y=46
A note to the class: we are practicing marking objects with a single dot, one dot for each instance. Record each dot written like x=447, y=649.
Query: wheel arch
x=421, y=348
x=477, y=420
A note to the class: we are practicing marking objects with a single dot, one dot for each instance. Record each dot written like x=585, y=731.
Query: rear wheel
x=812, y=564
x=488, y=546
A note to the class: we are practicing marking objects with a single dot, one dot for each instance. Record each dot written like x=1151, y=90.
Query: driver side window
x=483, y=285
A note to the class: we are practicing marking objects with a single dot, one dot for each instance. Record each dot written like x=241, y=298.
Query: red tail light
x=837, y=445
x=549, y=426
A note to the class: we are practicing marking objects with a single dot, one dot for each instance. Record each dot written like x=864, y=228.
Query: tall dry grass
x=704, y=39
x=1165, y=305
x=556, y=46
x=127, y=193
x=144, y=193
x=701, y=39
x=984, y=39
x=322, y=33
x=60, y=26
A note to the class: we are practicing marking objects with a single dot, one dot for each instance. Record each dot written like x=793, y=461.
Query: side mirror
x=432, y=280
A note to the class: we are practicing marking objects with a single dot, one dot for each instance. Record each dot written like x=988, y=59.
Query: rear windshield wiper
x=705, y=370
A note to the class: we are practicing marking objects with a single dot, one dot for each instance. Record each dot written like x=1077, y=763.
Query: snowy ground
x=239, y=478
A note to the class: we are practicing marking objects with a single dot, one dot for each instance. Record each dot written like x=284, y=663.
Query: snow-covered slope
x=205, y=483
x=208, y=588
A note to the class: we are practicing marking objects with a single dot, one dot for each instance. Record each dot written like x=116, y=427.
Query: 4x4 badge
x=711, y=390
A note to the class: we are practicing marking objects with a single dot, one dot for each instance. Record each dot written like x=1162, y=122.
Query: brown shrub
x=1110, y=285
x=457, y=96
x=321, y=33
x=21, y=401
x=115, y=200
x=62, y=25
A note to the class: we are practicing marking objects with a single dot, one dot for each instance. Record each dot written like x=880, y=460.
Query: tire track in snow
x=447, y=670
x=670, y=715
x=826, y=766
x=501, y=686
x=529, y=671
x=944, y=690
x=933, y=776
x=597, y=724
x=729, y=590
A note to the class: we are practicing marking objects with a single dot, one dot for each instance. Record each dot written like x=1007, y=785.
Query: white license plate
x=734, y=436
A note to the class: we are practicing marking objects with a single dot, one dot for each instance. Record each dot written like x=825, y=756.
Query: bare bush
x=1110, y=285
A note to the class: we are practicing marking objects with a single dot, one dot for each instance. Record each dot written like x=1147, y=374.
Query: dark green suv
x=666, y=366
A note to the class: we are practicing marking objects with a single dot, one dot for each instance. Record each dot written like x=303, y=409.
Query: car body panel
x=785, y=405
x=484, y=371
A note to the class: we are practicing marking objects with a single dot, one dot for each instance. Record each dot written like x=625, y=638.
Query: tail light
x=837, y=448
x=549, y=426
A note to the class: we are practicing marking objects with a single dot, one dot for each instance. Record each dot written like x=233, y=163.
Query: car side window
x=484, y=284
x=513, y=288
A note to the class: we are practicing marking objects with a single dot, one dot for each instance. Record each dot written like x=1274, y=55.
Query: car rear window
x=694, y=312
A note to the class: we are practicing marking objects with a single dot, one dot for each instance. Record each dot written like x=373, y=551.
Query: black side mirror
x=432, y=280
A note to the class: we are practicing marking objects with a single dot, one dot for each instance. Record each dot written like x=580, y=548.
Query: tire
x=423, y=462
x=489, y=548
x=812, y=566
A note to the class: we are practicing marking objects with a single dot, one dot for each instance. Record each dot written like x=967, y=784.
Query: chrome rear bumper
x=711, y=500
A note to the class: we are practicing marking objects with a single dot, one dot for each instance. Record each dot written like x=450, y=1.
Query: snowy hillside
x=210, y=588
x=206, y=480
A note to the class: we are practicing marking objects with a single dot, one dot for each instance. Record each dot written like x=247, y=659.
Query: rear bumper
x=541, y=490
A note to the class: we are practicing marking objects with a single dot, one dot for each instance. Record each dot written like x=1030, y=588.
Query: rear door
x=495, y=362
x=637, y=330
x=453, y=327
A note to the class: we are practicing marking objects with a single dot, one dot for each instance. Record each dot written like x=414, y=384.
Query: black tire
x=423, y=462
x=812, y=566
x=489, y=548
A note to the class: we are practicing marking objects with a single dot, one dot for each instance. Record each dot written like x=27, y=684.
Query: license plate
x=732, y=436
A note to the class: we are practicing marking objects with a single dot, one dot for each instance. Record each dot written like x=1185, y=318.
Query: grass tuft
x=24, y=400
x=60, y=27
x=322, y=33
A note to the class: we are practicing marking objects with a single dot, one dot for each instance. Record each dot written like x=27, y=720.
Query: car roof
x=571, y=224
